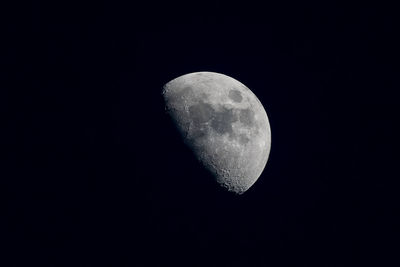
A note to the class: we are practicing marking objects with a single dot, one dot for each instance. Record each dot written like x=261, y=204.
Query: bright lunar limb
x=223, y=123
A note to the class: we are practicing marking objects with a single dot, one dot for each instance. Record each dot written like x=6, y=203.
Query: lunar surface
x=223, y=123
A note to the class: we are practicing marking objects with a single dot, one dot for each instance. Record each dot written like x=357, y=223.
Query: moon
x=223, y=123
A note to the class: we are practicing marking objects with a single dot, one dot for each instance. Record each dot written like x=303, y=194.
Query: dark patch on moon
x=204, y=96
x=201, y=112
x=243, y=139
x=235, y=95
x=246, y=116
x=201, y=131
x=222, y=121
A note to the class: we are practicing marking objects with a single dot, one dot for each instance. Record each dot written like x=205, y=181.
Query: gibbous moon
x=223, y=123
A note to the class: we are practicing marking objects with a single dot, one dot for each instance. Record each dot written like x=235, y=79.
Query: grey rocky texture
x=223, y=123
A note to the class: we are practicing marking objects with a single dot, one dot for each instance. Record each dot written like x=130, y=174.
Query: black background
x=94, y=175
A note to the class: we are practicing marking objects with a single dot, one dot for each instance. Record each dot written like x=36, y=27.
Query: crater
x=243, y=139
x=235, y=95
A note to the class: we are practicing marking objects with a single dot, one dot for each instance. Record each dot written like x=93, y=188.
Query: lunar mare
x=223, y=123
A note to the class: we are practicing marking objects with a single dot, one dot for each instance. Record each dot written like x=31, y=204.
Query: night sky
x=93, y=173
